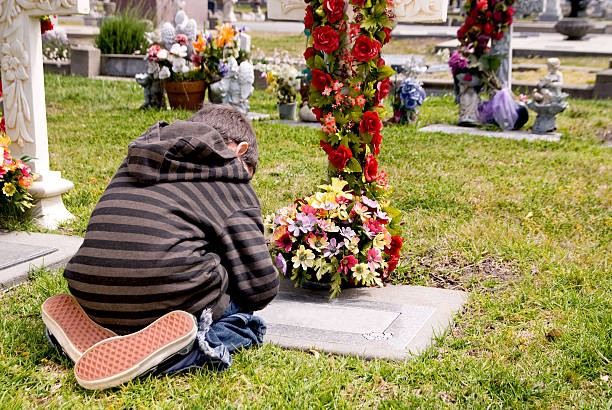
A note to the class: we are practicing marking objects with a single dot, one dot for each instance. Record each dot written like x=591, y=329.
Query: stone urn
x=287, y=111
x=574, y=28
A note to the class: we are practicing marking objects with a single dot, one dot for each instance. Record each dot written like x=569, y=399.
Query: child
x=177, y=235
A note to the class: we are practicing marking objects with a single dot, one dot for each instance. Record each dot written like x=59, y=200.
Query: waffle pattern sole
x=71, y=326
x=119, y=359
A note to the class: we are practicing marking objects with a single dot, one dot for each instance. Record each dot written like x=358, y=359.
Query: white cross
x=24, y=96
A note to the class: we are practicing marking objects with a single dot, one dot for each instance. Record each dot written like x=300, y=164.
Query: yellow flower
x=5, y=141
x=303, y=258
x=199, y=45
x=317, y=242
x=361, y=272
x=9, y=189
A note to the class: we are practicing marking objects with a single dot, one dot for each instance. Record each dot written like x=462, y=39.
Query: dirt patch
x=458, y=273
x=605, y=136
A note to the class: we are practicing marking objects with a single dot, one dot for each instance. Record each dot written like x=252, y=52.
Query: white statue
x=182, y=25
x=236, y=87
x=228, y=11
x=468, y=99
x=549, y=88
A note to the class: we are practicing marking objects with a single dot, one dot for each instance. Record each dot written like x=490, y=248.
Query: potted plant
x=182, y=73
x=284, y=82
x=122, y=42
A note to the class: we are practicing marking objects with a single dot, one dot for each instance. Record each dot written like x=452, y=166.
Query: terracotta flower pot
x=186, y=95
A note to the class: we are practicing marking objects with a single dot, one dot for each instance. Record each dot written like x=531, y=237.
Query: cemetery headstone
x=552, y=12
x=24, y=97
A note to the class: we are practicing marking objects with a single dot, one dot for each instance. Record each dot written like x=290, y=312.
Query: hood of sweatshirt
x=183, y=151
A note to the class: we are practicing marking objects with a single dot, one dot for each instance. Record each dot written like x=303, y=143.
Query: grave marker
x=503, y=47
x=24, y=96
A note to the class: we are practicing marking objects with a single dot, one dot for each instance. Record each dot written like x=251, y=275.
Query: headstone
x=552, y=11
x=391, y=322
x=603, y=84
x=503, y=47
x=405, y=10
x=24, y=97
x=85, y=61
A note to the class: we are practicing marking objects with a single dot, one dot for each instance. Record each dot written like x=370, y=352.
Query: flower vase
x=287, y=111
x=187, y=95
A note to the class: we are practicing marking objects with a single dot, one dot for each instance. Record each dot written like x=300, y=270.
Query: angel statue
x=182, y=25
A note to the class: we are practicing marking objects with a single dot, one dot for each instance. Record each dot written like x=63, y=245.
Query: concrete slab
x=297, y=123
x=393, y=322
x=513, y=135
x=552, y=45
x=66, y=247
x=16, y=253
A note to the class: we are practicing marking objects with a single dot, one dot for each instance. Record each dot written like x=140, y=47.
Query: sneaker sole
x=119, y=359
x=70, y=325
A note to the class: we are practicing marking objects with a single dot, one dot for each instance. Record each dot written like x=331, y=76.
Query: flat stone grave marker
x=393, y=322
x=15, y=254
x=510, y=134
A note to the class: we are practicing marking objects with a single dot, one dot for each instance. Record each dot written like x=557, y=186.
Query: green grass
x=526, y=227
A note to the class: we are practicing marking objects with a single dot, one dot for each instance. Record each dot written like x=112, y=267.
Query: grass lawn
x=525, y=227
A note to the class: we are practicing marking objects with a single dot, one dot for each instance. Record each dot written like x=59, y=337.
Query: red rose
x=381, y=62
x=46, y=25
x=510, y=11
x=334, y=10
x=2, y=126
x=394, y=247
x=382, y=90
x=376, y=141
x=488, y=29
x=318, y=113
x=365, y=48
x=308, y=18
x=358, y=2
x=470, y=21
x=320, y=80
x=370, y=123
x=392, y=264
x=498, y=36
x=339, y=157
x=498, y=16
x=309, y=53
x=326, y=147
x=387, y=35
x=461, y=33
x=489, y=14
x=467, y=77
x=371, y=168
x=326, y=39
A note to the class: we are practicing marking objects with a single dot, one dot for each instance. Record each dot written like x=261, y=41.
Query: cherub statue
x=228, y=11
x=182, y=25
x=236, y=87
x=153, y=91
x=549, y=88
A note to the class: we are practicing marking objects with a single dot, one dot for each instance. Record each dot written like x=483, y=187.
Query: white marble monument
x=24, y=97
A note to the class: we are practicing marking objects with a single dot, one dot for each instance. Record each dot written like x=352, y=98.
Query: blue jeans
x=215, y=342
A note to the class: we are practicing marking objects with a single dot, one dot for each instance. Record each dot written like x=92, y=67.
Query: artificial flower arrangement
x=348, y=85
x=283, y=82
x=46, y=24
x=176, y=64
x=486, y=20
x=56, y=46
x=336, y=237
x=407, y=98
x=15, y=180
x=212, y=49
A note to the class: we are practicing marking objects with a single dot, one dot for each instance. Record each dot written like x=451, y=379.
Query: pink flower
x=374, y=259
x=284, y=242
x=347, y=263
x=181, y=39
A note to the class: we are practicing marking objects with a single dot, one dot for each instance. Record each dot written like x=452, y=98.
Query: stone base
x=257, y=116
x=49, y=210
x=513, y=135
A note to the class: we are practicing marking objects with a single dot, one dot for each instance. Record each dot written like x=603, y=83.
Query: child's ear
x=242, y=148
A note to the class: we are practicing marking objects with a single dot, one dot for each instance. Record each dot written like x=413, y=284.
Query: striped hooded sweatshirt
x=178, y=227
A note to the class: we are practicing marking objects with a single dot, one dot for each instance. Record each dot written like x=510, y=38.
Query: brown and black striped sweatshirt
x=178, y=227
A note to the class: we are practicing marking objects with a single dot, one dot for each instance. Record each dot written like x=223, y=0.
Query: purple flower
x=332, y=248
x=223, y=68
x=307, y=221
x=281, y=263
x=369, y=202
x=380, y=214
x=457, y=62
x=347, y=232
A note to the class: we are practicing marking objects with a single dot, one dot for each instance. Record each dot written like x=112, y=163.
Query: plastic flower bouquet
x=178, y=64
x=334, y=237
x=284, y=82
x=214, y=48
x=408, y=97
x=15, y=180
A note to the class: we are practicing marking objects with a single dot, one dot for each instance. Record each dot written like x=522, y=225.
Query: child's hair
x=233, y=126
